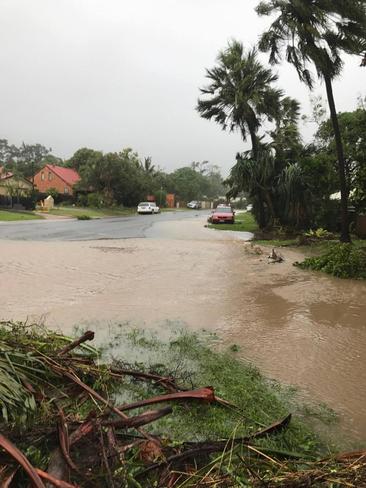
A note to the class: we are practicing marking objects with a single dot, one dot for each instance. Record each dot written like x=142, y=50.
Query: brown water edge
x=299, y=327
x=304, y=329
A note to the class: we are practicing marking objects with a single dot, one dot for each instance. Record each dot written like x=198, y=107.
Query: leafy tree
x=212, y=183
x=82, y=157
x=25, y=160
x=353, y=130
x=5, y=152
x=148, y=166
x=260, y=181
x=318, y=32
x=285, y=135
x=186, y=183
x=256, y=177
x=240, y=94
x=116, y=178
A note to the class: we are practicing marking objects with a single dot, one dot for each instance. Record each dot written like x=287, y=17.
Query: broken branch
x=88, y=336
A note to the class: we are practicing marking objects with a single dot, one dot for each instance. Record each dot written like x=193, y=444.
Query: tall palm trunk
x=255, y=150
x=254, y=140
x=345, y=235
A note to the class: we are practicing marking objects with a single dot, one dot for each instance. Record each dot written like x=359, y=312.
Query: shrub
x=82, y=200
x=83, y=217
x=95, y=200
x=341, y=260
x=327, y=215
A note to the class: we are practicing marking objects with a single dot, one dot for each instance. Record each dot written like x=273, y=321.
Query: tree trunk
x=345, y=235
x=262, y=213
x=271, y=211
x=254, y=139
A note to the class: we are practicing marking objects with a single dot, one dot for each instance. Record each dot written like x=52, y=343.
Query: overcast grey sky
x=109, y=74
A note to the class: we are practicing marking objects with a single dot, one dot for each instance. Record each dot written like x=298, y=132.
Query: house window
x=42, y=176
x=49, y=176
x=66, y=190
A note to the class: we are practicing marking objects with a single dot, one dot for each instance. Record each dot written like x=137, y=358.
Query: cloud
x=109, y=74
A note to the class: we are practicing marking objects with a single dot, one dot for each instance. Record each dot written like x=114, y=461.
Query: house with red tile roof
x=56, y=177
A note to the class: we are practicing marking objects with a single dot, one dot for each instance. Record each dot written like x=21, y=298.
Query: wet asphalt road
x=79, y=230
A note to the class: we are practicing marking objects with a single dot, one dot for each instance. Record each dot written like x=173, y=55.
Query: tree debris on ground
x=62, y=426
x=275, y=257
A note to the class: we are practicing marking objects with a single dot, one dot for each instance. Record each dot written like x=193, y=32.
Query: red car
x=222, y=215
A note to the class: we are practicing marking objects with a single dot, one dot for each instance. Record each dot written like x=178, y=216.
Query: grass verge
x=12, y=215
x=244, y=222
x=277, y=242
x=92, y=212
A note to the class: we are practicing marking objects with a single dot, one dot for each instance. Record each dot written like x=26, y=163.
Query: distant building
x=56, y=177
x=13, y=186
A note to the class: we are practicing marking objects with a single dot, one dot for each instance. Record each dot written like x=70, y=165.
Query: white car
x=147, y=208
x=194, y=204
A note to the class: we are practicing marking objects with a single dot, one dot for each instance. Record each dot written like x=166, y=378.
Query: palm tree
x=148, y=166
x=317, y=32
x=257, y=178
x=240, y=94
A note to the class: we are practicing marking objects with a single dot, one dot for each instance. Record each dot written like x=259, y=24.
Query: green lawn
x=277, y=242
x=92, y=212
x=10, y=215
x=244, y=222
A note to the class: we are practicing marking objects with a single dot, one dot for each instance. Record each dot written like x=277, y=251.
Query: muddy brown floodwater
x=299, y=327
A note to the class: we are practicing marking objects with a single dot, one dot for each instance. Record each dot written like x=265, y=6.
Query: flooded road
x=299, y=327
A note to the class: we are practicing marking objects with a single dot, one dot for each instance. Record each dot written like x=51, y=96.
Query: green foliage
x=94, y=200
x=16, y=402
x=187, y=183
x=24, y=369
x=25, y=159
x=54, y=193
x=341, y=260
x=196, y=363
x=275, y=186
x=319, y=234
x=123, y=178
x=82, y=200
x=315, y=32
x=318, y=33
x=160, y=198
x=353, y=130
x=83, y=217
x=240, y=94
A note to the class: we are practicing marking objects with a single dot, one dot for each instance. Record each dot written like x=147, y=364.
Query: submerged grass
x=192, y=359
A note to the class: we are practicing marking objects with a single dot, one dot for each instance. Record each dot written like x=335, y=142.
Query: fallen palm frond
x=73, y=434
